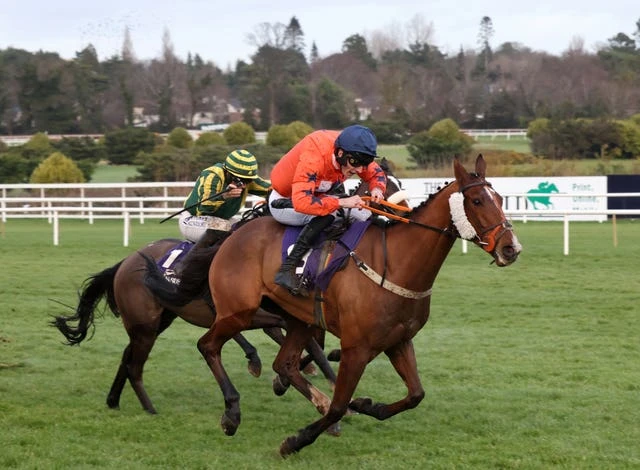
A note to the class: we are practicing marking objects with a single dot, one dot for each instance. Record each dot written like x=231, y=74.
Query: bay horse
x=145, y=316
x=369, y=317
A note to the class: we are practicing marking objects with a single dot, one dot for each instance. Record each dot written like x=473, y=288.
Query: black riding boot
x=198, y=259
x=286, y=276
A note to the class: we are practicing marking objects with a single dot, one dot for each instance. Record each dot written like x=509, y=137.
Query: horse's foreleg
x=351, y=368
x=403, y=358
x=251, y=353
x=210, y=346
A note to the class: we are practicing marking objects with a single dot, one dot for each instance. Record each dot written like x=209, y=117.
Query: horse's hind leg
x=141, y=341
x=113, y=398
x=133, y=359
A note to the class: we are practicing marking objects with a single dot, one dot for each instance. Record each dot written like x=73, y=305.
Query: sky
x=217, y=30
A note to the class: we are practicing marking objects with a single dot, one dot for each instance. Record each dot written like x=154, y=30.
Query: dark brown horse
x=145, y=316
x=370, y=312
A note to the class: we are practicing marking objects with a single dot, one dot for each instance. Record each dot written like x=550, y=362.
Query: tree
x=210, y=138
x=180, y=138
x=57, y=169
x=293, y=36
x=123, y=145
x=441, y=142
x=90, y=85
x=484, y=44
x=46, y=95
x=356, y=45
x=272, y=82
x=200, y=78
x=281, y=135
x=314, y=56
x=331, y=110
x=239, y=133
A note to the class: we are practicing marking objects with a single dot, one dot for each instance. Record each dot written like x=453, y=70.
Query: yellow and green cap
x=242, y=163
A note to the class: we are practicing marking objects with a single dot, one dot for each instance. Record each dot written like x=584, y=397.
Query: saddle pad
x=348, y=241
x=172, y=257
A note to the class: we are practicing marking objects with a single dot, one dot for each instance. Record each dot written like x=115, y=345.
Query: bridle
x=493, y=233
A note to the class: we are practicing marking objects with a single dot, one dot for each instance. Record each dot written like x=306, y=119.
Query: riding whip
x=196, y=204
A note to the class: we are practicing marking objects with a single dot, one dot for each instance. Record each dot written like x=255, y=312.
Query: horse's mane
x=439, y=189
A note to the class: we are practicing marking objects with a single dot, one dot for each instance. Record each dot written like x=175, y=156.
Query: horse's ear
x=481, y=166
x=459, y=171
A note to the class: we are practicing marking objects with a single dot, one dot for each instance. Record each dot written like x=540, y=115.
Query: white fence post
x=127, y=225
x=566, y=234
x=56, y=229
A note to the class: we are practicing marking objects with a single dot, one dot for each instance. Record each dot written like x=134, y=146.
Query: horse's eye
x=476, y=202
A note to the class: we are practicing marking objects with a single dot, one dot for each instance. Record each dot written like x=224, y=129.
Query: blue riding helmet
x=358, y=141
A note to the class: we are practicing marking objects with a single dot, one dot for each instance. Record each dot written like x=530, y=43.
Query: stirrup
x=291, y=282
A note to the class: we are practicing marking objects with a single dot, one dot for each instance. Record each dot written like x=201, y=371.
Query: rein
x=492, y=234
x=399, y=218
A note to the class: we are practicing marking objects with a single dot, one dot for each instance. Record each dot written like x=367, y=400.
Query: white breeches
x=289, y=216
x=192, y=227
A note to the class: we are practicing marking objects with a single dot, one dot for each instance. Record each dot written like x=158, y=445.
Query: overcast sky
x=217, y=29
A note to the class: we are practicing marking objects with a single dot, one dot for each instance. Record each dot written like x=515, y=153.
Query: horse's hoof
x=358, y=405
x=288, y=446
x=334, y=430
x=255, y=367
x=334, y=356
x=279, y=388
x=229, y=426
x=310, y=370
x=113, y=403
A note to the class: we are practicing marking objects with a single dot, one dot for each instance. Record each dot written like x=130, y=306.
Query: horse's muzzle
x=507, y=249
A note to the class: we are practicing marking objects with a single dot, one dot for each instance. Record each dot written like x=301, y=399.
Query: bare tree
x=268, y=34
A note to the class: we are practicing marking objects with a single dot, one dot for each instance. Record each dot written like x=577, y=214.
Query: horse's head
x=394, y=192
x=476, y=211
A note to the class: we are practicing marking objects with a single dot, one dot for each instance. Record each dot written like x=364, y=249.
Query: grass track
x=531, y=366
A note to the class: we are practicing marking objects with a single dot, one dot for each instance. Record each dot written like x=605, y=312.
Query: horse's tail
x=94, y=288
x=193, y=278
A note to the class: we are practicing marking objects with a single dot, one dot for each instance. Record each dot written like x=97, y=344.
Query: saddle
x=329, y=254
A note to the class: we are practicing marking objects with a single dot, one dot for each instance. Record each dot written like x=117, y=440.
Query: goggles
x=358, y=159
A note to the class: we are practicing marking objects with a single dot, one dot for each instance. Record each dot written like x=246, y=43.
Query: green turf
x=113, y=173
x=534, y=366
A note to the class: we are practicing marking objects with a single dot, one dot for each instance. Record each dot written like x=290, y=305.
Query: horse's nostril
x=509, y=252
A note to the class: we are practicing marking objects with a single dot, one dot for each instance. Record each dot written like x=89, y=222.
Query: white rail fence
x=493, y=133
x=16, y=202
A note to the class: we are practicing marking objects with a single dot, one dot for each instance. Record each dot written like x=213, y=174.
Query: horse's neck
x=421, y=250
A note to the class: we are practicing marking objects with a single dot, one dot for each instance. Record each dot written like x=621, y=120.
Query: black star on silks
x=381, y=179
x=312, y=177
x=314, y=199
